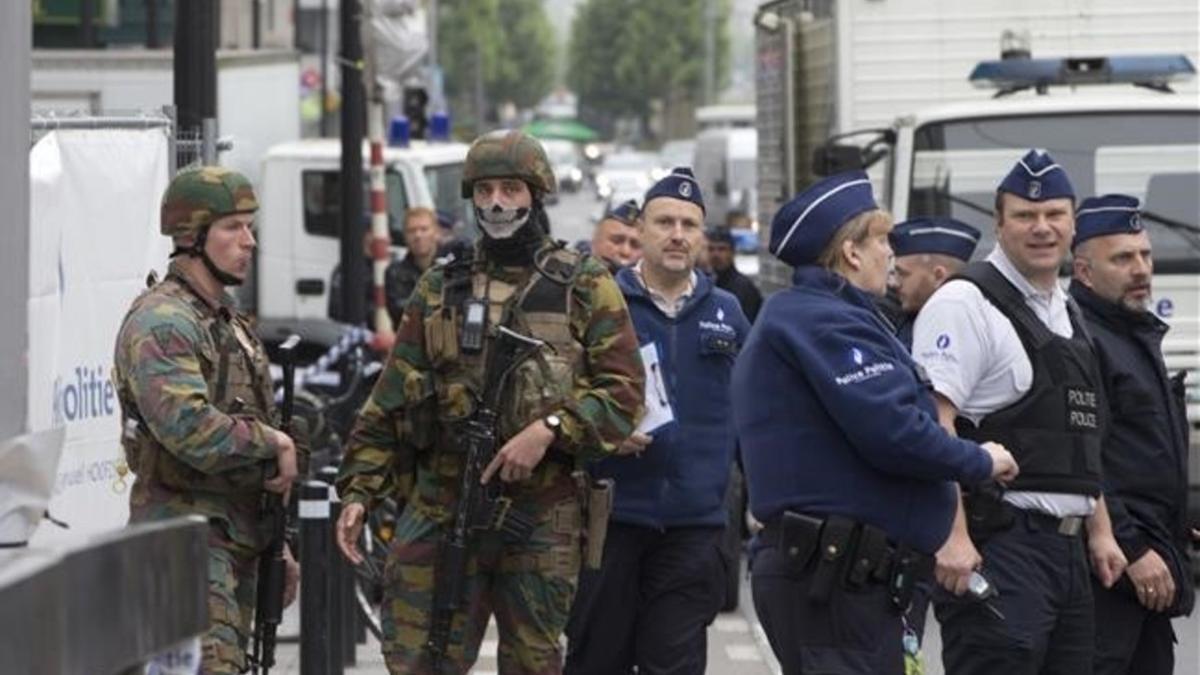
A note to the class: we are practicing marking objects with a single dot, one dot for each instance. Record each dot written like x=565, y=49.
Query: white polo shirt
x=975, y=359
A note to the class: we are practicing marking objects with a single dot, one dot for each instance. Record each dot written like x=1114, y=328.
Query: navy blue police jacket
x=1145, y=450
x=680, y=478
x=834, y=418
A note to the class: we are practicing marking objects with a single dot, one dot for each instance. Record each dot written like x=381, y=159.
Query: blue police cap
x=945, y=236
x=626, y=212
x=1037, y=177
x=803, y=227
x=719, y=234
x=679, y=184
x=1110, y=214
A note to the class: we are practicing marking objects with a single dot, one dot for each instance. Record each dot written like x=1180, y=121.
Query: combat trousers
x=650, y=603
x=232, y=589
x=1045, y=595
x=855, y=633
x=1130, y=639
x=527, y=586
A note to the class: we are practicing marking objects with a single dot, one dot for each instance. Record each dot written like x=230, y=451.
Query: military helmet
x=198, y=196
x=508, y=154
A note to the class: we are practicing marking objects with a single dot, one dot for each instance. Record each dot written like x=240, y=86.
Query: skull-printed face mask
x=500, y=222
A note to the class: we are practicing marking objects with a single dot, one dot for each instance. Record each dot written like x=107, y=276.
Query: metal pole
x=324, y=49
x=316, y=538
x=195, y=63
x=381, y=254
x=479, y=123
x=337, y=629
x=15, y=50
x=256, y=23
x=208, y=141
x=354, y=276
x=710, y=50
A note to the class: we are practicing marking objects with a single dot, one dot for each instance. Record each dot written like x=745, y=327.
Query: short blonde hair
x=854, y=230
x=418, y=212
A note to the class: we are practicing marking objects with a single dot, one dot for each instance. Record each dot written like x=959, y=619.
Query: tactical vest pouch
x=441, y=336
x=799, y=536
x=140, y=448
x=836, y=537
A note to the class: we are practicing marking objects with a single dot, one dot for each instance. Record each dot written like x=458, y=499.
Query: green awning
x=567, y=130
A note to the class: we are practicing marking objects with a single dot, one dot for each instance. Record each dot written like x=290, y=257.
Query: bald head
x=919, y=275
x=1116, y=267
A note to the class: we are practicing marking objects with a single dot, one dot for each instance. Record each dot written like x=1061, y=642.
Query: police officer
x=726, y=273
x=1009, y=360
x=845, y=462
x=1145, y=449
x=662, y=578
x=197, y=404
x=928, y=252
x=577, y=398
x=616, y=239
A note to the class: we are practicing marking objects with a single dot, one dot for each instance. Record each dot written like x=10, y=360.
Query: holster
x=908, y=568
x=986, y=512
x=597, y=505
x=836, y=536
x=799, y=536
x=871, y=560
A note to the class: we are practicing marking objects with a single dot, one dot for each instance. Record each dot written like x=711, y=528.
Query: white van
x=299, y=224
x=726, y=166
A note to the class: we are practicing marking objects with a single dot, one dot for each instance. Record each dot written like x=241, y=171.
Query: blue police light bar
x=1152, y=71
x=399, y=132
x=439, y=126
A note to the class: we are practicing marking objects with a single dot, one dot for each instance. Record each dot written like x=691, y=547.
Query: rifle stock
x=272, y=569
x=479, y=507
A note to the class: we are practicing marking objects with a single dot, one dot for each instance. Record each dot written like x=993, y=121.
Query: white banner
x=94, y=218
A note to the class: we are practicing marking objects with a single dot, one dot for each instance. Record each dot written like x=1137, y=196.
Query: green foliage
x=624, y=54
x=513, y=41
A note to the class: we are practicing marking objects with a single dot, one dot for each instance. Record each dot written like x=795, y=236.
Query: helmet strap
x=196, y=250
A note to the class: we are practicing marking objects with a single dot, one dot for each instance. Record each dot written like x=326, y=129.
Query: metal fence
x=187, y=147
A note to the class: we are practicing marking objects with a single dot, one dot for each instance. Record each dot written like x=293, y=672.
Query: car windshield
x=1152, y=156
x=561, y=152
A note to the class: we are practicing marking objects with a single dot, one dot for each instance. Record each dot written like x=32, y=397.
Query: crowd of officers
x=987, y=442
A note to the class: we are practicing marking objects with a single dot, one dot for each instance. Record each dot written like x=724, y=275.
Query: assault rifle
x=272, y=569
x=479, y=507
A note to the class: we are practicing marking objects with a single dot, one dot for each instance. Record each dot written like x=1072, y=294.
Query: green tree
x=509, y=44
x=624, y=54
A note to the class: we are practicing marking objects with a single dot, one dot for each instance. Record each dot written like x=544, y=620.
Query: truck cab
x=299, y=225
x=946, y=160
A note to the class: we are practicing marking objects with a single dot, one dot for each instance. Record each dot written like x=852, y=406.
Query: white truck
x=299, y=225
x=885, y=85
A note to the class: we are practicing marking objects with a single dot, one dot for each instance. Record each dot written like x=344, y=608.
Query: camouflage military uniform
x=405, y=440
x=196, y=398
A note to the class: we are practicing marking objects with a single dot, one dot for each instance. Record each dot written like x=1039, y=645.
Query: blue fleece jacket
x=833, y=418
x=681, y=477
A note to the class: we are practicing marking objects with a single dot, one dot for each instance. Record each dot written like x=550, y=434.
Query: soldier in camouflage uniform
x=575, y=400
x=197, y=402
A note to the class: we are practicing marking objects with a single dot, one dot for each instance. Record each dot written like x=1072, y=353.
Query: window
x=323, y=203
x=1152, y=156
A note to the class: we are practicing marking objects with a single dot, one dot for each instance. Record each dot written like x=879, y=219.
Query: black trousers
x=650, y=603
x=1045, y=595
x=1130, y=639
x=855, y=633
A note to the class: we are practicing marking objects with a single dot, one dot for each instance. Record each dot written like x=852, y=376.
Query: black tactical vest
x=1054, y=431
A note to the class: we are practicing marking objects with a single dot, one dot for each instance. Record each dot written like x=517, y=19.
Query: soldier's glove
x=298, y=431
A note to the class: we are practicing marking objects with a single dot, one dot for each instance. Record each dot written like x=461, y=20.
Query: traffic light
x=415, y=100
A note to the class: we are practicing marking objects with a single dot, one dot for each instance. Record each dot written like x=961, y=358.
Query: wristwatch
x=554, y=422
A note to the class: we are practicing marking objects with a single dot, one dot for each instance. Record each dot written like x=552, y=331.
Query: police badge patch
x=1035, y=189
x=685, y=189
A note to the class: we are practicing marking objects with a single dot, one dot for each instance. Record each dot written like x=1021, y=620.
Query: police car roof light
x=1014, y=74
x=399, y=132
